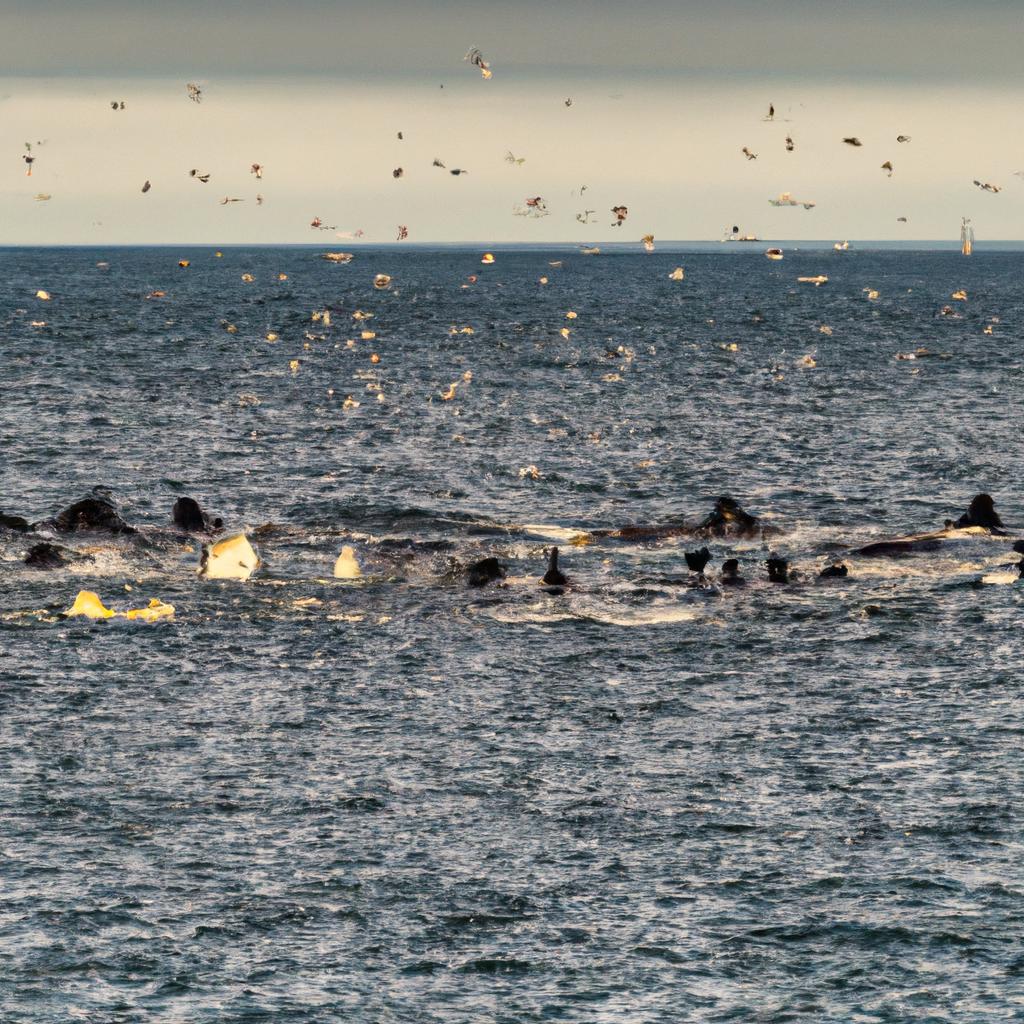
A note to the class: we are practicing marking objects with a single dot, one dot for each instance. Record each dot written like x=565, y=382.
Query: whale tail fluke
x=697, y=560
x=981, y=512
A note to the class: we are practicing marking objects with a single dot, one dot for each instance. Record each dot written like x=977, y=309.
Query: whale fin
x=554, y=577
x=346, y=567
x=232, y=558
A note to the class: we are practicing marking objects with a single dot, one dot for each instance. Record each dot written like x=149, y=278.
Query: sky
x=664, y=98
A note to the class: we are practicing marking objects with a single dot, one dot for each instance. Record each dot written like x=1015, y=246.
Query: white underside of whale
x=232, y=558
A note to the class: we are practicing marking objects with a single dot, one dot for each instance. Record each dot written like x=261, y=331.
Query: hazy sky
x=665, y=95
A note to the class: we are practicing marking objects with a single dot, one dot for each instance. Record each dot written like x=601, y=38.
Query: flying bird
x=987, y=186
x=887, y=166
x=403, y=233
x=902, y=138
x=227, y=199
x=456, y=171
x=511, y=158
x=748, y=154
x=853, y=141
x=194, y=173
x=194, y=92
x=476, y=58
x=256, y=169
x=397, y=172
x=790, y=144
x=620, y=215
x=771, y=112
x=146, y=187
x=437, y=163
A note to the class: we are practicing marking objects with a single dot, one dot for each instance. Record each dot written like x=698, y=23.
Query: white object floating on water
x=1011, y=575
x=232, y=558
x=773, y=254
x=346, y=567
x=818, y=280
x=677, y=275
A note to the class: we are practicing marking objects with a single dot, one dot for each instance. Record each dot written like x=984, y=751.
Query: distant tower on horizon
x=966, y=236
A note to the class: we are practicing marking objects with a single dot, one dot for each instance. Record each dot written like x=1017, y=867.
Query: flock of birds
x=532, y=206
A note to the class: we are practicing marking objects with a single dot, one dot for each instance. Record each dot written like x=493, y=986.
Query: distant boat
x=773, y=254
x=841, y=246
x=735, y=236
x=966, y=236
x=786, y=199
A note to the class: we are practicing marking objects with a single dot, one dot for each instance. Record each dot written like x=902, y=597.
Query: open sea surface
x=401, y=799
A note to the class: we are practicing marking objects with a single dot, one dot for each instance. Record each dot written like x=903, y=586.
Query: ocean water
x=405, y=799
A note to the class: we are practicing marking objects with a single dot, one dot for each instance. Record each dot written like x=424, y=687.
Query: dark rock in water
x=46, y=556
x=697, y=560
x=778, y=569
x=15, y=523
x=91, y=514
x=981, y=512
x=834, y=571
x=188, y=516
x=554, y=577
x=1018, y=546
x=487, y=570
x=727, y=519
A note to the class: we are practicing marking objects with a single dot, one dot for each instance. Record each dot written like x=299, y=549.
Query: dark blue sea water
x=403, y=799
